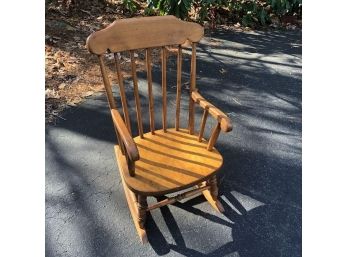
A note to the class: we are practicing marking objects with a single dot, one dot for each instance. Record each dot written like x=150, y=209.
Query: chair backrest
x=147, y=33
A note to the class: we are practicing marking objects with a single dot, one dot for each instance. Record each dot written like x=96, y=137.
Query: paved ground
x=256, y=79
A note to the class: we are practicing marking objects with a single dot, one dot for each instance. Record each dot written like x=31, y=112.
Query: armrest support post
x=224, y=121
x=214, y=136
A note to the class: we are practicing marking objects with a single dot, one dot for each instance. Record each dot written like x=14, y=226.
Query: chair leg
x=132, y=200
x=212, y=194
x=142, y=206
x=137, y=212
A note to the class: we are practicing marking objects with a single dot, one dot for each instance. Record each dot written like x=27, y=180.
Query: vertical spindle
x=149, y=83
x=136, y=95
x=192, y=88
x=178, y=88
x=164, y=88
x=122, y=92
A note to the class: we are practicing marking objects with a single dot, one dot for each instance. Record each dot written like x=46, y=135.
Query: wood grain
x=178, y=88
x=203, y=121
x=170, y=162
x=136, y=95
x=226, y=124
x=178, y=197
x=122, y=92
x=126, y=138
x=213, y=137
x=211, y=196
x=130, y=196
x=149, y=87
x=164, y=88
x=142, y=208
x=192, y=88
x=144, y=32
x=110, y=96
x=167, y=160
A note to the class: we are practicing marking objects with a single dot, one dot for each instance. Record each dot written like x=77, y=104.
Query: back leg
x=212, y=194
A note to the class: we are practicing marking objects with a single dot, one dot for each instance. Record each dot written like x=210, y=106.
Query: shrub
x=179, y=8
x=130, y=6
x=248, y=12
x=282, y=7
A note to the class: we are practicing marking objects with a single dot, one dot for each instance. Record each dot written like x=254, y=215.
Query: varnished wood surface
x=131, y=198
x=136, y=95
x=171, y=200
x=164, y=88
x=191, y=122
x=203, y=121
x=212, y=200
x=144, y=32
x=226, y=124
x=126, y=138
x=171, y=161
x=214, y=136
x=107, y=85
x=149, y=88
x=178, y=88
x=166, y=160
x=122, y=92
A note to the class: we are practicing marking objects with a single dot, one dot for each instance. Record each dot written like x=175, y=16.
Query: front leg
x=142, y=206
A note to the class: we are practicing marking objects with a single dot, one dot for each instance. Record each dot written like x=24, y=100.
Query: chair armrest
x=126, y=138
x=225, y=122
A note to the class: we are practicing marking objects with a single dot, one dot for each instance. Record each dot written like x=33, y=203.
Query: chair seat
x=170, y=162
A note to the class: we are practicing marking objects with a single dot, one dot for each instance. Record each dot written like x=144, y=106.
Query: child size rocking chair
x=166, y=160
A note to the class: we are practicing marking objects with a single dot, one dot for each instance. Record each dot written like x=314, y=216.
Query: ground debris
x=71, y=72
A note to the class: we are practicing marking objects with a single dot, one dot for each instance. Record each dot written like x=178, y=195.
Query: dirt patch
x=71, y=72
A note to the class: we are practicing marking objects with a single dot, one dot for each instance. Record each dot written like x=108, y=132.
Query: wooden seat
x=171, y=161
x=165, y=160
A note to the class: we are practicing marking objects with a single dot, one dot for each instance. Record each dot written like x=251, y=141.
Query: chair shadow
x=269, y=230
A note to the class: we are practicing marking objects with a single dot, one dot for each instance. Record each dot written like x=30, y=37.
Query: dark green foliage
x=178, y=8
x=208, y=9
x=249, y=13
x=282, y=7
x=130, y=6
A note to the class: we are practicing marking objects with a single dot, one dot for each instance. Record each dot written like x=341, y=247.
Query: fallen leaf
x=62, y=86
x=51, y=93
x=88, y=93
x=186, y=85
x=222, y=71
x=74, y=101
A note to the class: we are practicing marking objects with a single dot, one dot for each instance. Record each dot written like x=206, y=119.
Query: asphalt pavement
x=254, y=77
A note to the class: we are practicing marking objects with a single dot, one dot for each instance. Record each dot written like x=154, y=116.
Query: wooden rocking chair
x=167, y=160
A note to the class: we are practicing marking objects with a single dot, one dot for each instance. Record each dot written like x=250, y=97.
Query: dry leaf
x=62, y=86
x=51, y=93
x=74, y=101
x=186, y=85
x=88, y=93
x=222, y=71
